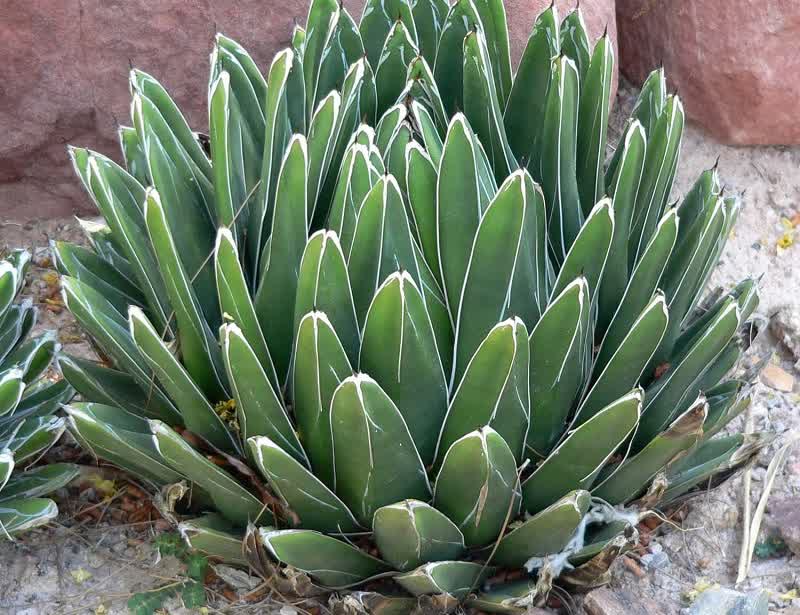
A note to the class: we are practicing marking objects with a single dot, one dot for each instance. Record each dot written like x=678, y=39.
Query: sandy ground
x=40, y=573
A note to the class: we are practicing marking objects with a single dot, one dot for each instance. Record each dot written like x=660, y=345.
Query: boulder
x=64, y=76
x=723, y=601
x=731, y=62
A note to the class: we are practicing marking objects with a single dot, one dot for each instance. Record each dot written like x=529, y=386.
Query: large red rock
x=63, y=78
x=734, y=62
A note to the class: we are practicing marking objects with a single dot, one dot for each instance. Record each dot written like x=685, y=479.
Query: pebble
x=722, y=601
x=777, y=378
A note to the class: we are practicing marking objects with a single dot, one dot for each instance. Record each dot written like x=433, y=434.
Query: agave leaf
x=215, y=537
x=115, y=388
x=320, y=365
x=236, y=157
x=557, y=371
x=323, y=285
x=426, y=104
x=235, y=303
x=278, y=130
x=382, y=243
x=15, y=326
x=199, y=349
x=494, y=390
x=102, y=240
x=342, y=49
x=492, y=14
x=483, y=103
x=34, y=356
x=621, y=482
x=530, y=287
x=377, y=21
x=490, y=270
x=399, y=350
x=477, y=485
x=428, y=132
x=317, y=506
x=448, y=69
x=651, y=100
x=110, y=330
x=575, y=42
x=228, y=496
x=34, y=436
x=663, y=149
x=595, y=101
x=624, y=188
x=546, y=533
x=12, y=386
x=700, y=197
x=639, y=291
x=376, y=461
x=256, y=81
x=120, y=202
x=421, y=179
x=588, y=254
x=331, y=562
x=461, y=199
x=133, y=154
x=388, y=125
x=625, y=368
x=38, y=481
x=510, y=598
x=86, y=266
x=437, y=310
x=429, y=18
x=120, y=437
x=321, y=24
x=397, y=52
x=725, y=402
x=37, y=401
x=396, y=156
x=279, y=278
x=721, y=366
x=575, y=463
x=453, y=579
x=411, y=533
x=525, y=109
x=196, y=412
x=557, y=165
x=322, y=134
x=23, y=514
x=258, y=406
x=667, y=396
x=188, y=211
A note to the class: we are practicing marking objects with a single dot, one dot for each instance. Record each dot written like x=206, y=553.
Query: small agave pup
x=27, y=403
x=396, y=317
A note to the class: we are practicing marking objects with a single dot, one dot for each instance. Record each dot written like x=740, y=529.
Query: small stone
x=784, y=520
x=777, y=378
x=722, y=601
x=785, y=325
x=655, y=561
x=607, y=601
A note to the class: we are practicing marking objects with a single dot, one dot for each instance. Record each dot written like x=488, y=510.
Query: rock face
x=722, y=601
x=63, y=78
x=729, y=61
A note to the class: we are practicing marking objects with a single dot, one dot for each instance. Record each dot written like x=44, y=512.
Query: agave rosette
x=396, y=316
x=27, y=404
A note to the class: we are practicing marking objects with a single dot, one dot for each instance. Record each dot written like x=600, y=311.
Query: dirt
x=38, y=571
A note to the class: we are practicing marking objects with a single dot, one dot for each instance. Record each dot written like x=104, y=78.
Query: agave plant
x=27, y=403
x=396, y=316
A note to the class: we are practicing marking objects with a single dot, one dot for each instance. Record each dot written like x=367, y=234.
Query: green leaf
x=621, y=482
x=483, y=103
x=235, y=303
x=342, y=49
x=411, y=533
x=558, y=369
x=588, y=254
x=197, y=413
x=398, y=50
x=215, y=537
x=421, y=179
x=38, y=481
x=317, y=506
x=426, y=104
x=453, y=579
x=388, y=125
x=492, y=14
x=322, y=135
x=282, y=258
x=575, y=42
x=320, y=365
x=494, y=390
x=331, y=562
x=429, y=18
x=12, y=386
x=490, y=270
x=448, y=69
x=20, y=515
x=650, y=102
x=595, y=102
x=234, y=501
x=477, y=485
x=525, y=109
x=576, y=461
x=321, y=24
x=323, y=284
x=133, y=154
x=258, y=407
x=546, y=533
x=376, y=461
x=626, y=366
x=557, y=166
x=399, y=351
x=377, y=21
